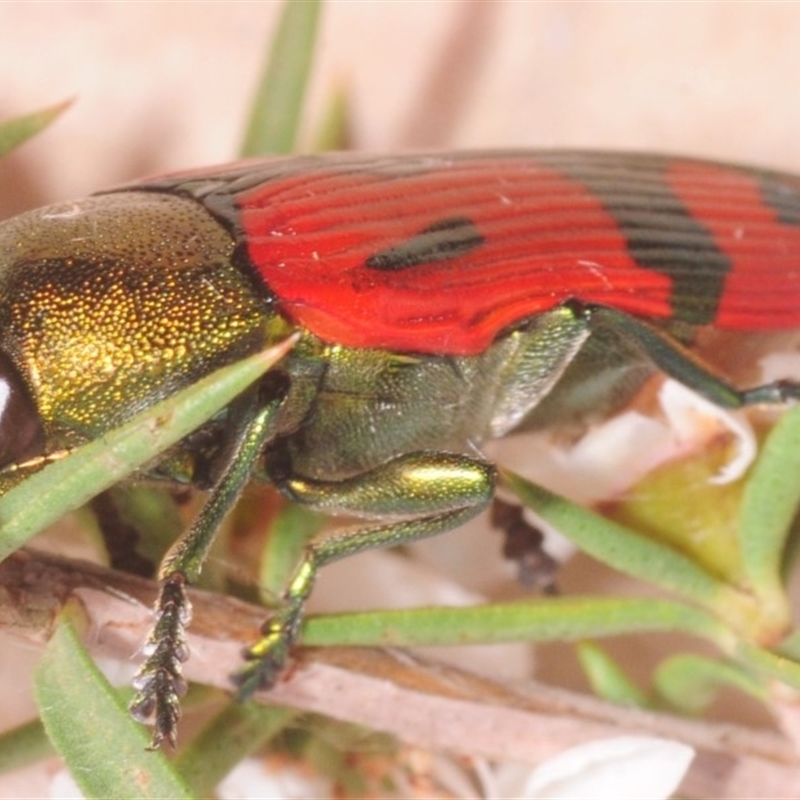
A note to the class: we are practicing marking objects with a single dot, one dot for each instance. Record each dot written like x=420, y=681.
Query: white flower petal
x=623, y=768
x=117, y=673
x=253, y=779
x=693, y=418
x=63, y=787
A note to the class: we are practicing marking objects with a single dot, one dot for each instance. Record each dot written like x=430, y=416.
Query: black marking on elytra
x=661, y=233
x=447, y=238
x=782, y=198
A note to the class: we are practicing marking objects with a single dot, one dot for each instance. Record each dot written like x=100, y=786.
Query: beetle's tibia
x=265, y=659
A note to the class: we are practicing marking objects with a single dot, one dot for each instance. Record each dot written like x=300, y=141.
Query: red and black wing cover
x=440, y=253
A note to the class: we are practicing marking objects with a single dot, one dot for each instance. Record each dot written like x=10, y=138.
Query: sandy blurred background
x=166, y=85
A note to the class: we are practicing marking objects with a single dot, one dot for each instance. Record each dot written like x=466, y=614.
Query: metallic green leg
x=433, y=492
x=682, y=366
x=159, y=682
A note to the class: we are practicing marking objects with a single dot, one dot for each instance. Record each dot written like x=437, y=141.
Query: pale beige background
x=164, y=85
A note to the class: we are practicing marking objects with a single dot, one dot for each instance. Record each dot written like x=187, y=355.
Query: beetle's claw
x=159, y=681
x=264, y=661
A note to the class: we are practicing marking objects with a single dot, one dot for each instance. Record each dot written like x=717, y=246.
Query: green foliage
x=231, y=735
x=70, y=482
x=90, y=727
x=14, y=132
x=275, y=117
x=750, y=602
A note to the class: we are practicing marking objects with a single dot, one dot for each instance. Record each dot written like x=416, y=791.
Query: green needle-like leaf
x=152, y=512
x=235, y=733
x=72, y=481
x=333, y=132
x=103, y=748
x=275, y=118
x=288, y=535
x=771, y=664
x=14, y=132
x=24, y=745
x=551, y=619
x=607, y=678
x=769, y=506
x=689, y=682
x=636, y=555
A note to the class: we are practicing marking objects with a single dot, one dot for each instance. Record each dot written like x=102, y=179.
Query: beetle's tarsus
x=777, y=392
x=264, y=661
x=159, y=681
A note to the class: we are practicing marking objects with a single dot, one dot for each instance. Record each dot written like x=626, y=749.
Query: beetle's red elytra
x=440, y=253
x=439, y=300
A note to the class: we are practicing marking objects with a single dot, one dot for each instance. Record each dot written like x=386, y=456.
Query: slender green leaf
x=607, y=678
x=549, y=619
x=292, y=528
x=770, y=664
x=152, y=512
x=690, y=682
x=769, y=506
x=103, y=748
x=70, y=482
x=790, y=646
x=24, y=745
x=334, y=132
x=235, y=733
x=14, y=132
x=276, y=110
x=636, y=555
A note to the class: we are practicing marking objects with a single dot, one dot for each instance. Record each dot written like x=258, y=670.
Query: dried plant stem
x=425, y=704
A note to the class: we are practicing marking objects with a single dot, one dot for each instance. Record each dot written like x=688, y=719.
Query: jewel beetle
x=438, y=300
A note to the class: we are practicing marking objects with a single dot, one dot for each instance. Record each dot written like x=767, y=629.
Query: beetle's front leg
x=159, y=682
x=423, y=494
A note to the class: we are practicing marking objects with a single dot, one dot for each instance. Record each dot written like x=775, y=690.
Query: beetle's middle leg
x=423, y=494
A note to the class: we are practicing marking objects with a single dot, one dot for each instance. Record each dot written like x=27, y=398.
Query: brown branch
x=424, y=704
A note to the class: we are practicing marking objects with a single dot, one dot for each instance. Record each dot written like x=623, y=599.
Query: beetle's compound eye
x=21, y=434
